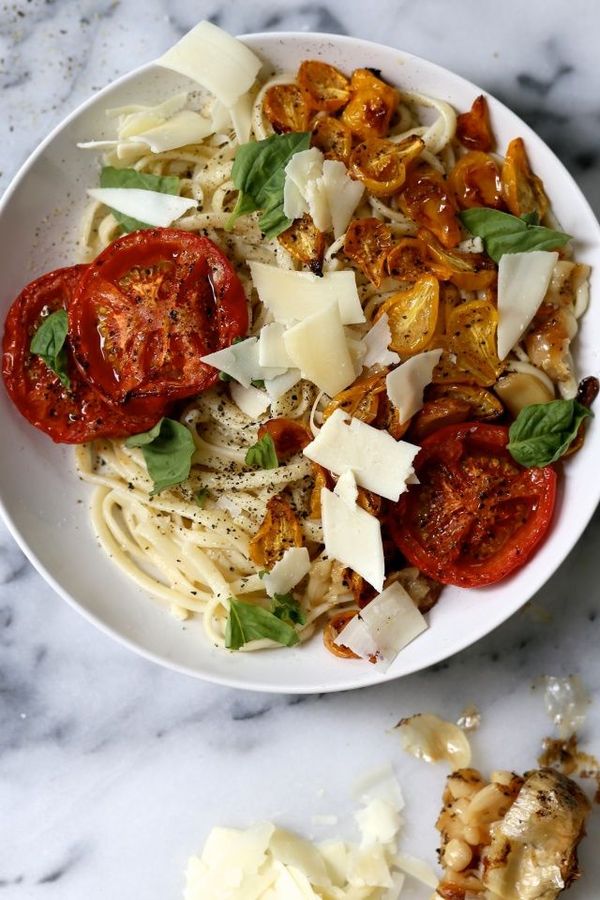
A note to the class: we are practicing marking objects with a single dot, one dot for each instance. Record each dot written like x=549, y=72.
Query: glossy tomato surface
x=476, y=515
x=148, y=308
x=70, y=415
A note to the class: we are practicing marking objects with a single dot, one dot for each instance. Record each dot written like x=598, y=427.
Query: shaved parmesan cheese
x=240, y=361
x=353, y=537
x=346, y=489
x=342, y=192
x=252, y=401
x=416, y=868
x=376, y=343
x=292, y=296
x=378, y=462
x=287, y=572
x=185, y=127
x=214, y=59
x=317, y=346
x=391, y=620
x=322, y=188
x=150, y=207
x=241, y=117
x=162, y=110
x=368, y=867
x=303, y=169
x=378, y=821
x=358, y=639
x=471, y=245
x=97, y=145
x=281, y=384
x=380, y=784
x=405, y=385
x=271, y=348
x=292, y=850
x=220, y=117
x=523, y=280
x=268, y=863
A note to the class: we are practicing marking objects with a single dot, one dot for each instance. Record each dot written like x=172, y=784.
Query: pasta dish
x=316, y=354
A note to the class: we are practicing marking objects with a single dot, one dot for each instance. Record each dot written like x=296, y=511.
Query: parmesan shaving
x=150, y=207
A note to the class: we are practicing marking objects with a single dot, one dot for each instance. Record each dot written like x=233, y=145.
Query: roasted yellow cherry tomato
x=469, y=271
x=382, y=165
x=523, y=191
x=427, y=200
x=360, y=400
x=471, y=335
x=483, y=405
x=333, y=138
x=286, y=108
x=327, y=87
x=412, y=316
x=367, y=244
x=410, y=259
x=475, y=181
x=332, y=630
x=435, y=414
x=372, y=103
x=321, y=479
x=279, y=531
x=305, y=242
x=473, y=128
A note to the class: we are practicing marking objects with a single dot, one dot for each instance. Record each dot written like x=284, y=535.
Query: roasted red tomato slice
x=70, y=416
x=148, y=308
x=476, y=515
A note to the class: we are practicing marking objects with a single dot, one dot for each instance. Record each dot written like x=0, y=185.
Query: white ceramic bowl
x=45, y=504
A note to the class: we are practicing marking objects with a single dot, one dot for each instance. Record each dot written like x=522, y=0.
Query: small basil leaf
x=262, y=454
x=201, y=496
x=48, y=342
x=131, y=178
x=259, y=175
x=286, y=608
x=247, y=622
x=503, y=233
x=167, y=450
x=543, y=432
x=531, y=218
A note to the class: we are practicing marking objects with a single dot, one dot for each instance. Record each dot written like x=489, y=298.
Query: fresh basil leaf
x=531, y=218
x=262, y=454
x=167, y=450
x=49, y=343
x=131, y=178
x=543, y=432
x=247, y=622
x=259, y=175
x=258, y=383
x=286, y=608
x=201, y=496
x=503, y=233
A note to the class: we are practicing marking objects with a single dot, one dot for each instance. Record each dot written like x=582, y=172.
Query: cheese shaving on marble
x=265, y=862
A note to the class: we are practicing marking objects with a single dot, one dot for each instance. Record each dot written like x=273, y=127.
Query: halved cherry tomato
x=288, y=436
x=475, y=181
x=332, y=630
x=523, y=190
x=68, y=416
x=305, y=242
x=286, y=107
x=473, y=128
x=476, y=515
x=280, y=530
x=367, y=244
x=326, y=86
x=148, y=308
x=371, y=105
x=382, y=165
x=333, y=138
x=427, y=200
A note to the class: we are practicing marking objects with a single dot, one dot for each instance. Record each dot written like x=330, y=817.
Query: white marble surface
x=113, y=770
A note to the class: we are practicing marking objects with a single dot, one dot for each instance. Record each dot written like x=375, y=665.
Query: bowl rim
x=367, y=678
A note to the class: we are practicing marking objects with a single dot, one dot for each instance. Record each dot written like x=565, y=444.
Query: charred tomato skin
x=476, y=515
